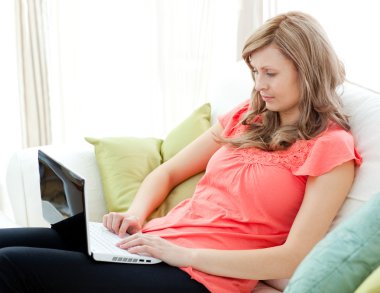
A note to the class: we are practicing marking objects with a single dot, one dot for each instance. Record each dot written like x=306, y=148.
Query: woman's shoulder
x=230, y=121
x=330, y=148
x=335, y=133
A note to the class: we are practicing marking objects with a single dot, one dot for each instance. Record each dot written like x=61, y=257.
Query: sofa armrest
x=23, y=181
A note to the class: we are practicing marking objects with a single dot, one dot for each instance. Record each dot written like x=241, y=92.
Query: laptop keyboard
x=102, y=240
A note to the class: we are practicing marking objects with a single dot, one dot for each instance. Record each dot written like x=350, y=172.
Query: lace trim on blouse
x=292, y=158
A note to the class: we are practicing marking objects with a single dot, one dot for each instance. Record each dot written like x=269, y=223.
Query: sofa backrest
x=23, y=181
x=361, y=104
x=363, y=107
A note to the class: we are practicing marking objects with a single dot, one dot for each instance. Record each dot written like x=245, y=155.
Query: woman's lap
x=38, y=260
x=51, y=270
x=32, y=237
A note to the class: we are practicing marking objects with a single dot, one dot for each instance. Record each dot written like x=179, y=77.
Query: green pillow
x=178, y=194
x=123, y=164
x=345, y=257
x=371, y=284
x=125, y=161
x=188, y=130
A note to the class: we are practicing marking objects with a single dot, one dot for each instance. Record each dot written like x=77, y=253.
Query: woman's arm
x=189, y=161
x=323, y=197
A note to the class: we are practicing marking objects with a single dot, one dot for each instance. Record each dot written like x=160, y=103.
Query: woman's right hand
x=122, y=223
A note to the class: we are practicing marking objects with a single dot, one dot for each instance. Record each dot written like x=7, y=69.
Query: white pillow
x=363, y=107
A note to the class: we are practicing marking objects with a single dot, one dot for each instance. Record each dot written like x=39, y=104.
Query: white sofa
x=22, y=173
x=361, y=104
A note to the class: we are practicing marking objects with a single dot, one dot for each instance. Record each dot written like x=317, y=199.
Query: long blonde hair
x=301, y=39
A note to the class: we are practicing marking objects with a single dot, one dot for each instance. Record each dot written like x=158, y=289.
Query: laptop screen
x=62, y=191
x=63, y=206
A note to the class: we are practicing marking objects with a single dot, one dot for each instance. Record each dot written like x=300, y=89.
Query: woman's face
x=276, y=79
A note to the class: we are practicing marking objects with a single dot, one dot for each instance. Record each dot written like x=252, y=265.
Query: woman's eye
x=269, y=74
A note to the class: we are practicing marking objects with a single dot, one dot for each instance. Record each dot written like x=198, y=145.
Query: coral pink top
x=248, y=198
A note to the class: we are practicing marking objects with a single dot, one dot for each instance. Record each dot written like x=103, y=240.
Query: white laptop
x=63, y=196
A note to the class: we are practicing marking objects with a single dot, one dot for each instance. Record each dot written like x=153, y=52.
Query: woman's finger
x=108, y=219
x=125, y=224
x=145, y=250
x=139, y=245
x=116, y=221
x=130, y=241
x=105, y=220
x=137, y=239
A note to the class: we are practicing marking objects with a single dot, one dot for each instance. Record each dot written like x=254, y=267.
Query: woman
x=278, y=168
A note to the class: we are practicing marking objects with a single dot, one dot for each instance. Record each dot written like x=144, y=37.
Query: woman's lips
x=267, y=98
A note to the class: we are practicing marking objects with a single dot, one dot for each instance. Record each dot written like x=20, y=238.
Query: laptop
x=63, y=197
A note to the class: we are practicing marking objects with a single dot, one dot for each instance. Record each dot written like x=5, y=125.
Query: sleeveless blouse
x=248, y=198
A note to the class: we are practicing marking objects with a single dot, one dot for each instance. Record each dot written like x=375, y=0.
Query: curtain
x=252, y=14
x=122, y=68
x=103, y=69
x=140, y=70
x=185, y=31
x=34, y=90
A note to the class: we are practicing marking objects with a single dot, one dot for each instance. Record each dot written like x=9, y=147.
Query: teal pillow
x=345, y=257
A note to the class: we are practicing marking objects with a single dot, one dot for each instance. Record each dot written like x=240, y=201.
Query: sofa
x=362, y=105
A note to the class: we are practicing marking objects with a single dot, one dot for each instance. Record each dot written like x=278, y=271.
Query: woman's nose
x=260, y=83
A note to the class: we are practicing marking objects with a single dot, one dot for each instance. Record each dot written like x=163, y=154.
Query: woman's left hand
x=157, y=247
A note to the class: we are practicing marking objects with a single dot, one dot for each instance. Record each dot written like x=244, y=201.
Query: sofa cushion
x=345, y=257
x=188, y=130
x=363, y=107
x=124, y=162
